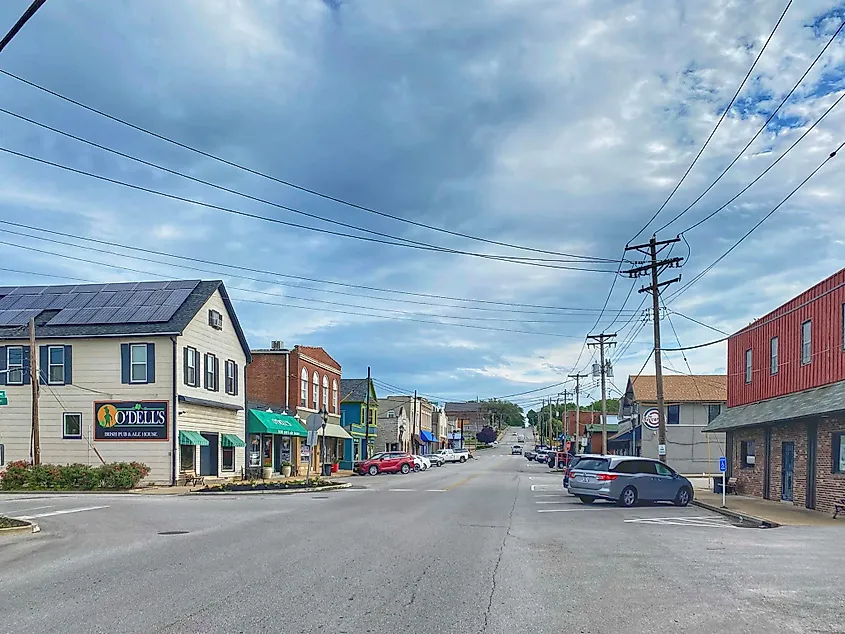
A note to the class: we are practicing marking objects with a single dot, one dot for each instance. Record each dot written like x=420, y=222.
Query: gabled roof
x=683, y=388
x=355, y=391
x=109, y=310
x=317, y=352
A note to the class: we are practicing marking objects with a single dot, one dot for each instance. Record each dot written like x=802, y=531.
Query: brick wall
x=265, y=382
x=749, y=480
x=830, y=486
x=296, y=365
x=797, y=434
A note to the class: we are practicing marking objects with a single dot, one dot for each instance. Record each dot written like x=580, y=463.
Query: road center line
x=62, y=512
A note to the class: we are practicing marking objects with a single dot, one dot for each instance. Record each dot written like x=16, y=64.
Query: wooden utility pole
x=654, y=268
x=603, y=340
x=577, y=378
x=365, y=452
x=34, y=381
x=413, y=423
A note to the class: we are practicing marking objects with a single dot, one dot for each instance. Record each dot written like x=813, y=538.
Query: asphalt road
x=493, y=545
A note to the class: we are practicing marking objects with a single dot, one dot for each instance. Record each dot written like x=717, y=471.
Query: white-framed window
x=334, y=395
x=806, y=342
x=773, y=355
x=212, y=381
x=14, y=365
x=192, y=361
x=326, y=391
x=315, y=386
x=231, y=378
x=748, y=369
x=71, y=425
x=303, y=390
x=138, y=363
x=56, y=365
x=228, y=459
x=391, y=413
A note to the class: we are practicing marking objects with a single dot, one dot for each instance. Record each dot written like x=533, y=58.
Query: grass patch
x=8, y=522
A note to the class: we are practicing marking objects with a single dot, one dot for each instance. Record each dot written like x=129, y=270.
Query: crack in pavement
x=499, y=561
x=414, y=591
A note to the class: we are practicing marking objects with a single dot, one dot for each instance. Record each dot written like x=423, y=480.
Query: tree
x=505, y=412
x=532, y=417
x=486, y=435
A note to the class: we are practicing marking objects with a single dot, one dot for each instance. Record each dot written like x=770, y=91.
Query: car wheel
x=416, y=467
x=586, y=499
x=683, y=497
x=406, y=468
x=628, y=497
x=463, y=459
x=373, y=470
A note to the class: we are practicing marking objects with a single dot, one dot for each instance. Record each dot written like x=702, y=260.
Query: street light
x=325, y=416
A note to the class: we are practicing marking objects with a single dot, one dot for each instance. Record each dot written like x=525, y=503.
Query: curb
x=334, y=487
x=736, y=515
x=31, y=527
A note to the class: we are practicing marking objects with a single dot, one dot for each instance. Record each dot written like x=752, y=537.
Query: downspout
x=175, y=411
x=246, y=427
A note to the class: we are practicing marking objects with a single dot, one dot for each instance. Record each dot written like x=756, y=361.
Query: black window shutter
x=235, y=379
x=43, y=369
x=198, y=365
x=68, y=365
x=124, y=363
x=151, y=363
x=185, y=352
x=3, y=365
x=206, y=359
x=216, y=374
x=26, y=365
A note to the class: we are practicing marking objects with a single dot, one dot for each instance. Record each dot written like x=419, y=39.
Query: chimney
x=276, y=345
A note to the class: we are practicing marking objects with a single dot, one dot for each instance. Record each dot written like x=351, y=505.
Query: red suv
x=389, y=462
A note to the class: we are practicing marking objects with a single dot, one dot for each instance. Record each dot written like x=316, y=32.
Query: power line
x=686, y=286
x=760, y=131
x=719, y=122
x=17, y=26
x=113, y=244
x=278, y=221
x=695, y=321
x=282, y=181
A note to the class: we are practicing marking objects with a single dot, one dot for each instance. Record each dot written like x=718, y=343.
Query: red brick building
x=785, y=421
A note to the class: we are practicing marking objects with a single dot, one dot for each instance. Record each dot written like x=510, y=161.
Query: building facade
x=419, y=439
x=134, y=371
x=469, y=418
x=359, y=410
x=393, y=428
x=440, y=427
x=295, y=382
x=692, y=402
x=785, y=420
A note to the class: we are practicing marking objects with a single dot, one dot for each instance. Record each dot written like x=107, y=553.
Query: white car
x=436, y=459
x=421, y=463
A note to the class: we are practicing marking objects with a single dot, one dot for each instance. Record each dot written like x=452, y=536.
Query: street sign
x=3, y=399
x=313, y=439
x=661, y=450
x=314, y=422
x=723, y=464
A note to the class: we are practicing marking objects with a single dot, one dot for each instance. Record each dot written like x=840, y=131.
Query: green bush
x=73, y=477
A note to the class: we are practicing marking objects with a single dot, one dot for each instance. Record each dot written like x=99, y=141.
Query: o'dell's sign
x=130, y=420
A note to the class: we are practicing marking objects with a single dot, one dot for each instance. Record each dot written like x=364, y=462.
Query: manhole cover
x=173, y=532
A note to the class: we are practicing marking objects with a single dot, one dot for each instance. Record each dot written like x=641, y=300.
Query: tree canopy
x=505, y=411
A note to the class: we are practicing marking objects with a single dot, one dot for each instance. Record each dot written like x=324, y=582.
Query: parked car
x=542, y=455
x=627, y=480
x=451, y=455
x=436, y=459
x=516, y=450
x=572, y=463
x=421, y=463
x=529, y=454
x=387, y=462
x=463, y=454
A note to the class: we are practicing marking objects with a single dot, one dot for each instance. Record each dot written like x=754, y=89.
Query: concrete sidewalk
x=778, y=513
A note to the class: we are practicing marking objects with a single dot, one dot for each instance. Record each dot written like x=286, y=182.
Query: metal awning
x=814, y=402
x=187, y=437
x=259, y=422
x=427, y=436
x=230, y=440
x=334, y=431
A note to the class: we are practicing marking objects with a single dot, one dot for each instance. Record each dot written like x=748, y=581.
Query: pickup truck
x=454, y=455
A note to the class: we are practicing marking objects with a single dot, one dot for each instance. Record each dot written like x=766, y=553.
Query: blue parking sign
x=723, y=464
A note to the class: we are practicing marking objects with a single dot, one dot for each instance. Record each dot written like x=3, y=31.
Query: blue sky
x=556, y=126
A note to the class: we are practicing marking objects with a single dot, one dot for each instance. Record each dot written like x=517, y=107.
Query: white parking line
x=32, y=508
x=552, y=495
x=401, y=490
x=435, y=490
x=700, y=521
x=62, y=512
x=560, y=510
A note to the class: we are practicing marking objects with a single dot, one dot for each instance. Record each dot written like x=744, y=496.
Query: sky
x=538, y=129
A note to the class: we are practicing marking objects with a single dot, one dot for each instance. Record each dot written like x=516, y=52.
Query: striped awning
x=187, y=437
x=230, y=440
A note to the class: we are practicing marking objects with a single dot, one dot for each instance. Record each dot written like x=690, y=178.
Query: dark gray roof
x=109, y=310
x=469, y=407
x=355, y=391
x=813, y=402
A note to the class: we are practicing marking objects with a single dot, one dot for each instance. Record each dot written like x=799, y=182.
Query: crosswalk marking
x=62, y=512
x=699, y=521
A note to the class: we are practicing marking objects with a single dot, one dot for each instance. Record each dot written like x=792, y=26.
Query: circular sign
x=651, y=418
x=107, y=416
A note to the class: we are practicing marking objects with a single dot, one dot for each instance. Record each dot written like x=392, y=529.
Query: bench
x=191, y=477
x=730, y=486
x=838, y=507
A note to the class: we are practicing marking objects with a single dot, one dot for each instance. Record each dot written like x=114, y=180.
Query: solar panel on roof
x=63, y=317
x=22, y=301
x=178, y=284
x=17, y=317
x=28, y=290
x=163, y=313
x=66, y=288
x=142, y=314
x=60, y=301
x=158, y=297
x=80, y=300
x=103, y=315
x=122, y=315
x=150, y=286
x=90, y=288
x=42, y=301
x=119, y=298
x=5, y=290
x=138, y=298
x=178, y=297
x=121, y=286
x=7, y=302
x=83, y=316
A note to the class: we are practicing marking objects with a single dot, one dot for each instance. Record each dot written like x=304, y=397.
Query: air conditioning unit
x=749, y=460
x=276, y=345
x=215, y=320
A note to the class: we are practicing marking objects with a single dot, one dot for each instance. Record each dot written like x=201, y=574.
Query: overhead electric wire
x=760, y=131
x=17, y=26
x=408, y=244
x=112, y=244
x=719, y=122
x=285, y=182
x=700, y=323
x=686, y=286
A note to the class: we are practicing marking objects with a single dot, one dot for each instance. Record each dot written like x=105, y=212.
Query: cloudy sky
x=555, y=129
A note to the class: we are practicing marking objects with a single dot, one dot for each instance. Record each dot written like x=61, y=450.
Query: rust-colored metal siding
x=823, y=306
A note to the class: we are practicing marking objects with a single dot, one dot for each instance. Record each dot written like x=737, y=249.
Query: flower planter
x=267, y=473
x=286, y=471
x=335, y=467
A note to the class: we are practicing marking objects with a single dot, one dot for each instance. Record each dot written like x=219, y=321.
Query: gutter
x=175, y=413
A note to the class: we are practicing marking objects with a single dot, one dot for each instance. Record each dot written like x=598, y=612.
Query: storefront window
x=255, y=450
x=187, y=457
x=228, y=459
x=839, y=452
x=267, y=454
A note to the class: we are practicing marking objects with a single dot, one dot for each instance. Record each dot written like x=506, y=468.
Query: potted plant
x=335, y=465
x=286, y=468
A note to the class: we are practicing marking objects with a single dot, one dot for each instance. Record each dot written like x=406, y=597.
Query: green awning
x=187, y=437
x=596, y=428
x=230, y=440
x=271, y=423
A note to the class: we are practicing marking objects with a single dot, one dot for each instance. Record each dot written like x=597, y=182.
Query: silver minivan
x=627, y=480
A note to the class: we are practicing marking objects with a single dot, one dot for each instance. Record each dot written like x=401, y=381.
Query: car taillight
x=606, y=477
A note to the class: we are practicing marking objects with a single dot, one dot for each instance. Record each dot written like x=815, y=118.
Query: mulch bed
x=8, y=522
x=266, y=486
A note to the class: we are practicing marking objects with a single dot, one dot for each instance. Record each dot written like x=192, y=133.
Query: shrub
x=73, y=477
